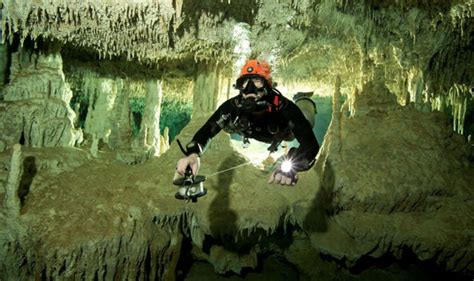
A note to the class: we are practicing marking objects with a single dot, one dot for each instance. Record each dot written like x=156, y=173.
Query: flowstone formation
x=104, y=219
x=43, y=107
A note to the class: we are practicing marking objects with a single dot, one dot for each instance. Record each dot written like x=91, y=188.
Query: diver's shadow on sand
x=223, y=220
x=321, y=206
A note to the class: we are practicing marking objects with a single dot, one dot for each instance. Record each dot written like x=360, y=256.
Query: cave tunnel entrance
x=271, y=261
x=287, y=255
x=137, y=110
x=175, y=115
x=80, y=104
x=275, y=266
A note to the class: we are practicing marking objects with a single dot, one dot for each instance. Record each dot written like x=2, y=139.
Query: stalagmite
x=165, y=141
x=94, y=149
x=336, y=100
x=11, y=200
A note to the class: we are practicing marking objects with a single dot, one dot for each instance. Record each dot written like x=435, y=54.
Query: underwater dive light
x=286, y=166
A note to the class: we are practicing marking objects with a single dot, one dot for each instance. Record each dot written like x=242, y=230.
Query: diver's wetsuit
x=278, y=120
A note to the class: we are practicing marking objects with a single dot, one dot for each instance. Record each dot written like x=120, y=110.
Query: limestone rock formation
x=117, y=213
x=36, y=110
x=11, y=200
x=403, y=193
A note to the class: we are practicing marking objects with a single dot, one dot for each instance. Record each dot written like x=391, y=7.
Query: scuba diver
x=262, y=113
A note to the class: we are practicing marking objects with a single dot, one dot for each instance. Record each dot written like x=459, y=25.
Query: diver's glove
x=286, y=172
x=284, y=177
x=190, y=162
x=193, y=152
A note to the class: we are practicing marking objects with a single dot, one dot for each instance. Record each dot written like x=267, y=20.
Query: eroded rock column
x=206, y=90
x=101, y=93
x=37, y=111
x=150, y=128
x=11, y=200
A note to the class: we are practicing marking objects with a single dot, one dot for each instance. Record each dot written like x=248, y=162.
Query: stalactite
x=124, y=29
x=461, y=14
x=458, y=97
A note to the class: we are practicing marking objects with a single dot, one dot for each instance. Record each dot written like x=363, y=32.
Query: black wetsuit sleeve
x=309, y=147
x=211, y=128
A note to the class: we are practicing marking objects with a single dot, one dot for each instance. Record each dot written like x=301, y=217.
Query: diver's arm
x=309, y=147
x=208, y=130
x=196, y=147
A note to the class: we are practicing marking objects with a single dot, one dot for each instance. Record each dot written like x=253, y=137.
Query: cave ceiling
x=307, y=39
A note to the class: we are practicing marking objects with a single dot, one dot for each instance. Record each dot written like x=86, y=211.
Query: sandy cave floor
x=75, y=199
x=102, y=196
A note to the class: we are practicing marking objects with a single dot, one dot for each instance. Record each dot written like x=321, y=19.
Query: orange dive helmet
x=255, y=68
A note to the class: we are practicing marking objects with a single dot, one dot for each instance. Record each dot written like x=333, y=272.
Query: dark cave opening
x=185, y=259
x=136, y=123
x=273, y=263
x=469, y=120
x=22, y=138
x=409, y=267
x=175, y=115
x=410, y=263
x=80, y=104
x=29, y=172
x=137, y=110
x=8, y=63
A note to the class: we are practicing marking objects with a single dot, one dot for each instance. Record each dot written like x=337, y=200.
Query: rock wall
x=209, y=89
x=4, y=60
x=423, y=51
x=129, y=245
x=410, y=189
x=107, y=113
x=35, y=109
x=118, y=222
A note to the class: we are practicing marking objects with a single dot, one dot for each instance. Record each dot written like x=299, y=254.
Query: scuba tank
x=306, y=105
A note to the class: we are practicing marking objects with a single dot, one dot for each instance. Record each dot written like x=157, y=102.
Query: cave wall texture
x=86, y=171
